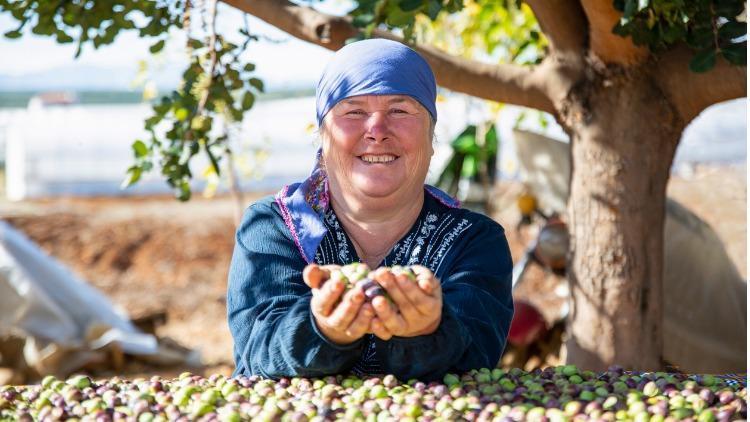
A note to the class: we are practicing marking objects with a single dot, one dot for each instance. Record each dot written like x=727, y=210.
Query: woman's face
x=377, y=146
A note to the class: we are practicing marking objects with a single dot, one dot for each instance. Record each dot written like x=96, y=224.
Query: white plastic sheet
x=57, y=312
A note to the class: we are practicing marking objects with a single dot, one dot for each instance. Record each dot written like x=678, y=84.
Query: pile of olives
x=562, y=393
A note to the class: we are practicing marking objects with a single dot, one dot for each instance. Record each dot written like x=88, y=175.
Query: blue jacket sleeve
x=476, y=314
x=268, y=305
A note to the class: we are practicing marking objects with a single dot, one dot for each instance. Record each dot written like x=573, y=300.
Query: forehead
x=361, y=100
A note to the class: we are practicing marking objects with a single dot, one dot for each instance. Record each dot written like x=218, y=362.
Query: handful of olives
x=356, y=274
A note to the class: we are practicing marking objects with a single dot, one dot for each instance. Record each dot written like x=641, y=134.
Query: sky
x=37, y=61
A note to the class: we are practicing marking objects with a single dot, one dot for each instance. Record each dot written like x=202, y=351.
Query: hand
x=341, y=318
x=418, y=305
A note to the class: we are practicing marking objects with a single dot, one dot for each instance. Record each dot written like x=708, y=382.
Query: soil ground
x=155, y=254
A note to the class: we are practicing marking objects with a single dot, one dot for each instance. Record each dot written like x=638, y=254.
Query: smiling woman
x=366, y=201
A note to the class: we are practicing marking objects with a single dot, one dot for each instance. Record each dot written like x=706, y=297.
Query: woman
x=366, y=202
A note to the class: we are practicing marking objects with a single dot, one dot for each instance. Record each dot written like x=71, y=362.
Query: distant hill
x=20, y=99
x=82, y=77
x=99, y=85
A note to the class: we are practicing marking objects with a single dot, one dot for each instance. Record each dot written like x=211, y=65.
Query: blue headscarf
x=378, y=67
x=375, y=67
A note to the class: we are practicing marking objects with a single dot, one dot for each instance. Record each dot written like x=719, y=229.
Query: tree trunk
x=623, y=138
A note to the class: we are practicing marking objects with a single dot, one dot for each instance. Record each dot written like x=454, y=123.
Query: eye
x=398, y=111
x=355, y=112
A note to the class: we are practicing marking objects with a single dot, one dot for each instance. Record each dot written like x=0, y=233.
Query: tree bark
x=605, y=45
x=624, y=134
x=692, y=92
x=563, y=22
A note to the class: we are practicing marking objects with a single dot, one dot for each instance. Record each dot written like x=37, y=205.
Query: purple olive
x=373, y=292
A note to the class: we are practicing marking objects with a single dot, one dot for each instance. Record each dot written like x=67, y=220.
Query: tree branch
x=504, y=83
x=607, y=46
x=563, y=22
x=692, y=92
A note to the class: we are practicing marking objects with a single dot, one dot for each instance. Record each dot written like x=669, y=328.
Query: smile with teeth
x=385, y=158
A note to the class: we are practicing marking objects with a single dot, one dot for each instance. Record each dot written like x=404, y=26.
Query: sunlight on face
x=377, y=147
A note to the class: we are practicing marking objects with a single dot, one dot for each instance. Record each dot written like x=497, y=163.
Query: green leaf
x=398, y=18
x=249, y=67
x=491, y=140
x=729, y=8
x=152, y=121
x=736, y=53
x=214, y=161
x=162, y=108
x=703, y=61
x=410, y=5
x=641, y=34
x=183, y=191
x=156, y=47
x=363, y=20
x=13, y=34
x=140, y=149
x=133, y=175
x=470, y=167
x=732, y=30
x=433, y=9
x=64, y=38
x=700, y=38
x=248, y=100
x=621, y=29
x=630, y=8
x=256, y=83
x=673, y=33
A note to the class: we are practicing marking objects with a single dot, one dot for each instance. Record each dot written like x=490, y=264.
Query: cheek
x=336, y=156
x=420, y=146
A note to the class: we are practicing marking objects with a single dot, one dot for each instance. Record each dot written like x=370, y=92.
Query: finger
x=426, y=279
x=404, y=305
x=379, y=330
x=347, y=310
x=361, y=322
x=388, y=316
x=423, y=303
x=325, y=298
x=314, y=275
x=382, y=275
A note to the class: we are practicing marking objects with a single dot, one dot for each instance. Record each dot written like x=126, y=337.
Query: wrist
x=431, y=328
x=330, y=338
x=333, y=336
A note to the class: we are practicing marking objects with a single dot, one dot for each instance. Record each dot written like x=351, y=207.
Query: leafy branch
x=710, y=28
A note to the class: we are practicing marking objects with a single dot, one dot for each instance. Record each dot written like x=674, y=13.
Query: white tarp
x=62, y=317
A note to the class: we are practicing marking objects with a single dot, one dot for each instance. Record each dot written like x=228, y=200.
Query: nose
x=377, y=127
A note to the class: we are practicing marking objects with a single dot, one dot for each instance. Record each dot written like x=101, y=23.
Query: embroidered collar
x=303, y=207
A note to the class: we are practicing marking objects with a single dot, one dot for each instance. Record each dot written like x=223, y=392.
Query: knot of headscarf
x=369, y=67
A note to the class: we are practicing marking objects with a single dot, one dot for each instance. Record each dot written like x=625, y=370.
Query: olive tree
x=622, y=77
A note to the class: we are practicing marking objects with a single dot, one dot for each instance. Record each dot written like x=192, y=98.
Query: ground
x=155, y=254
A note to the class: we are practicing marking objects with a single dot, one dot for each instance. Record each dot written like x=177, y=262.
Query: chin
x=376, y=191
